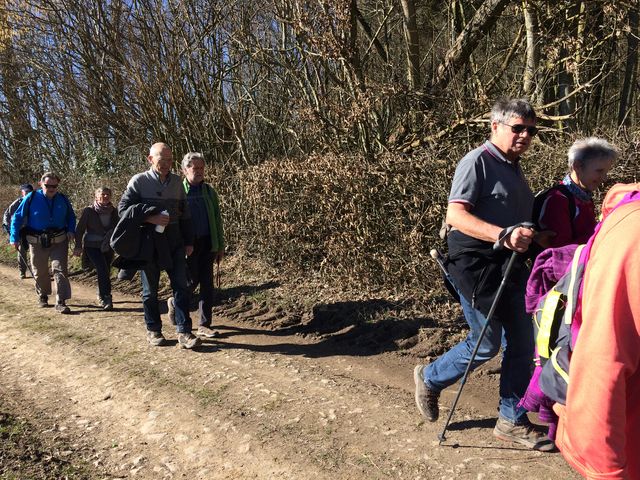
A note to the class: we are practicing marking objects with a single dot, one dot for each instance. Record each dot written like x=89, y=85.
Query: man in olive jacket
x=208, y=244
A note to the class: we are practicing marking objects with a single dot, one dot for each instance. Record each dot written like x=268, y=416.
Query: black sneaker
x=426, y=399
x=43, y=301
x=23, y=275
x=106, y=303
x=62, y=308
x=524, y=434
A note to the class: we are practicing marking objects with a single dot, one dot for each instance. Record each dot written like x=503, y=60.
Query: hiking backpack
x=555, y=329
x=558, y=318
x=541, y=197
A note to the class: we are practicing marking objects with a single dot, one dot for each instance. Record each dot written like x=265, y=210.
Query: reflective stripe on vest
x=571, y=294
x=557, y=367
x=546, y=320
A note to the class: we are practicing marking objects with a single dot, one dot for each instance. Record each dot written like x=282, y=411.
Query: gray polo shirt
x=494, y=187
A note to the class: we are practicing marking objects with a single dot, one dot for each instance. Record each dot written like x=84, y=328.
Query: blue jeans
x=178, y=280
x=102, y=263
x=517, y=360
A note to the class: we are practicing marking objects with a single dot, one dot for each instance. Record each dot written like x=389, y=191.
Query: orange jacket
x=599, y=430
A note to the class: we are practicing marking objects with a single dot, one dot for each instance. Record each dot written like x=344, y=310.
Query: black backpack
x=542, y=195
x=538, y=202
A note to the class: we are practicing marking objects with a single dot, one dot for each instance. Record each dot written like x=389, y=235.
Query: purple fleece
x=548, y=268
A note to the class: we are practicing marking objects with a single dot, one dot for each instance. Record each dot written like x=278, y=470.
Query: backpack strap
x=572, y=205
x=557, y=366
x=27, y=208
x=574, y=285
x=549, y=321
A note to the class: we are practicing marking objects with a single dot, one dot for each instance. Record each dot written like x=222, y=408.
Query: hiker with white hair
x=567, y=208
x=208, y=246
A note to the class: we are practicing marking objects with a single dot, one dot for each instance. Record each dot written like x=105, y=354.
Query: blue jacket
x=43, y=213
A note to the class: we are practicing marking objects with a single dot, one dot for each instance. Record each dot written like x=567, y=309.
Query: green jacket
x=213, y=211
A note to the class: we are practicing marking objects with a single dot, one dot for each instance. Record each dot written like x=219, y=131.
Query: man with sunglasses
x=49, y=223
x=489, y=198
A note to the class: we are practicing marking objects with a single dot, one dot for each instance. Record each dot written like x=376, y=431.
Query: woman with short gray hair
x=568, y=208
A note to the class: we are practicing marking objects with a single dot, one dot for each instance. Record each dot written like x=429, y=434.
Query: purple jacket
x=549, y=266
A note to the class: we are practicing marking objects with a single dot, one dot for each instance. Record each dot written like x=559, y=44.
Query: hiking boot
x=524, y=434
x=188, y=340
x=43, y=301
x=426, y=399
x=62, y=308
x=207, y=332
x=156, y=338
x=171, y=310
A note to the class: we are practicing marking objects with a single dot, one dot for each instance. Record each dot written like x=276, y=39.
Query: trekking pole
x=448, y=281
x=496, y=299
x=217, y=282
x=437, y=256
x=28, y=264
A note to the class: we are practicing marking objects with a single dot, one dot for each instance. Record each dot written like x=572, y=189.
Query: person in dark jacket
x=93, y=233
x=6, y=225
x=160, y=188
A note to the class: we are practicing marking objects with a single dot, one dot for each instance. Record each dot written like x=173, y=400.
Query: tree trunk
x=477, y=28
x=412, y=43
x=533, y=52
x=630, y=72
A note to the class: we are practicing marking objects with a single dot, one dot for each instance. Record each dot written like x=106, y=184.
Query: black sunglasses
x=519, y=128
x=47, y=185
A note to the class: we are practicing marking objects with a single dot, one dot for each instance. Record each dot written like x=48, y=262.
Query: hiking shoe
x=106, y=303
x=156, y=338
x=188, y=340
x=524, y=434
x=43, y=301
x=426, y=399
x=207, y=332
x=62, y=308
x=171, y=310
x=23, y=275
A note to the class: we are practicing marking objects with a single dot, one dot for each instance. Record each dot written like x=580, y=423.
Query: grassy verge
x=28, y=452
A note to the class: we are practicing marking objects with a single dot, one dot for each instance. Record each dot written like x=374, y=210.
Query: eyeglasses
x=519, y=128
x=48, y=185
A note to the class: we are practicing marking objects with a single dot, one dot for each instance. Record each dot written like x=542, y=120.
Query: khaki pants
x=58, y=253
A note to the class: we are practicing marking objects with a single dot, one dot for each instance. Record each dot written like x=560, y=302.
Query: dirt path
x=256, y=403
